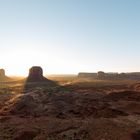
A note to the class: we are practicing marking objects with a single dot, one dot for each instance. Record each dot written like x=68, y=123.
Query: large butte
x=36, y=75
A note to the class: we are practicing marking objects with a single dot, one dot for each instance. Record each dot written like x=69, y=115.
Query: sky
x=69, y=36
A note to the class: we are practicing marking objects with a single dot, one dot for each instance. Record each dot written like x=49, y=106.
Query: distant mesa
x=36, y=75
x=110, y=76
x=3, y=77
x=100, y=74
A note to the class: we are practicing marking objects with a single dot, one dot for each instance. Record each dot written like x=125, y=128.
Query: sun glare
x=18, y=62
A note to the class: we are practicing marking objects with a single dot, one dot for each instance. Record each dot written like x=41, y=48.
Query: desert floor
x=73, y=109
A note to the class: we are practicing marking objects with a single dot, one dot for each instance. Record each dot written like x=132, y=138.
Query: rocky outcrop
x=36, y=75
x=63, y=105
x=3, y=77
x=2, y=72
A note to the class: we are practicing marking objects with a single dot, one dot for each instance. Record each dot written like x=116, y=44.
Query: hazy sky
x=69, y=36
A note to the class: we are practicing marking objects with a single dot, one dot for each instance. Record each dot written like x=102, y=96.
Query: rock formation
x=36, y=75
x=3, y=77
x=2, y=72
x=110, y=75
x=87, y=75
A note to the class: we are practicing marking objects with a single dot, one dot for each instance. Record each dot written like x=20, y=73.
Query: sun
x=17, y=62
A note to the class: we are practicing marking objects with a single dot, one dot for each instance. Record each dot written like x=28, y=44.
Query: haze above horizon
x=69, y=36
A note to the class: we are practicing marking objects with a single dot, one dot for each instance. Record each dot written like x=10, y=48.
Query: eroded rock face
x=3, y=77
x=2, y=73
x=36, y=72
x=36, y=75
